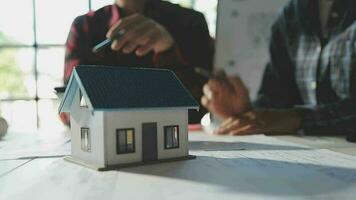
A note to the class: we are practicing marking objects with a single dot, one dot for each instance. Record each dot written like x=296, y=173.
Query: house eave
x=69, y=93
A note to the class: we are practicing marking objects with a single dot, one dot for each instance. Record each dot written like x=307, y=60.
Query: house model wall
x=109, y=132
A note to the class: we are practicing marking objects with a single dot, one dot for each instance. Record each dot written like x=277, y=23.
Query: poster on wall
x=243, y=32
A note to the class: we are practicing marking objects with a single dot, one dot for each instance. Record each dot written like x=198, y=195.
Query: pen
x=220, y=75
x=107, y=42
x=203, y=72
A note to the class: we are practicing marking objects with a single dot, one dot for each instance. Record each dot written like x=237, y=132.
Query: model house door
x=149, y=142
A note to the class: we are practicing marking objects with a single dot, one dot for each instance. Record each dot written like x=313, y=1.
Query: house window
x=85, y=139
x=171, y=137
x=125, y=141
x=83, y=103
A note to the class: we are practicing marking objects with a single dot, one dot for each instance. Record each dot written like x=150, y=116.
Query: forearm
x=183, y=67
x=338, y=118
x=69, y=65
x=169, y=59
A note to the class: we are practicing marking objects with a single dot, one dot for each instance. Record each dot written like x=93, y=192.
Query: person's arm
x=278, y=87
x=75, y=48
x=74, y=55
x=337, y=118
x=193, y=46
x=176, y=45
x=277, y=92
x=273, y=111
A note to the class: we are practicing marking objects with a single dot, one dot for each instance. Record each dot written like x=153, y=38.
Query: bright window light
x=32, y=56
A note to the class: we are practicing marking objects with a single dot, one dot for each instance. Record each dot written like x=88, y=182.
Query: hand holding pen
x=139, y=34
x=224, y=95
x=108, y=42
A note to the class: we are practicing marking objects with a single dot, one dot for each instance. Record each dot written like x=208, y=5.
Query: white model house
x=126, y=116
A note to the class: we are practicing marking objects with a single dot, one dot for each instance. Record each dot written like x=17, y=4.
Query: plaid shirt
x=313, y=72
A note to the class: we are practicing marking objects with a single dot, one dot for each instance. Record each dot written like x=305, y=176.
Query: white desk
x=249, y=167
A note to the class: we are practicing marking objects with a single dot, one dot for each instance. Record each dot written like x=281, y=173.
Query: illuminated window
x=125, y=141
x=85, y=139
x=171, y=137
x=31, y=60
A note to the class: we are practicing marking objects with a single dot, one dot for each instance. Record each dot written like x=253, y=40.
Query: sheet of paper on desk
x=16, y=145
x=279, y=158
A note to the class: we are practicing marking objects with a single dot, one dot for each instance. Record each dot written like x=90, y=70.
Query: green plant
x=11, y=76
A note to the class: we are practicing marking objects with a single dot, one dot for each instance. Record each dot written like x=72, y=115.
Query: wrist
x=169, y=45
x=296, y=118
x=165, y=50
x=279, y=121
x=170, y=58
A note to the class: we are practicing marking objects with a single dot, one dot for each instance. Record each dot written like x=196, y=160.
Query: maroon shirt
x=193, y=44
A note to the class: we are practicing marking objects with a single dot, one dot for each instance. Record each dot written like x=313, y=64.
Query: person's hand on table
x=226, y=96
x=141, y=35
x=264, y=121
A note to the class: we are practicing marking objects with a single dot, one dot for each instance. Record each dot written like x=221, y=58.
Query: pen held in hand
x=219, y=75
x=102, y=45
x=203, y=72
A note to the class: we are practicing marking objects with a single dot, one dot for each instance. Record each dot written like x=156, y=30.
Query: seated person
x=309, y=84
x=156, y=34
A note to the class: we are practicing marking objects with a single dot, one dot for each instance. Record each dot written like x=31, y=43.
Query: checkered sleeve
x=339, y=117
x=278, y=88
x=74, y=47
x=333, y=118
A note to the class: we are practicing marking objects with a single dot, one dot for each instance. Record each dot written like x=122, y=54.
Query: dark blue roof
x=122, y=87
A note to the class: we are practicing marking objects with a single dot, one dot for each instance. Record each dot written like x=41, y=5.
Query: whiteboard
x=243, y=33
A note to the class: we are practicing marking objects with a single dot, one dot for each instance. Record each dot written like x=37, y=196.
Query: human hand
x=261, y=122
x=142, y=35
x=226, y=96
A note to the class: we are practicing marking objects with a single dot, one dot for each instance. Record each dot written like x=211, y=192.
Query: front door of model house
x=149, y=142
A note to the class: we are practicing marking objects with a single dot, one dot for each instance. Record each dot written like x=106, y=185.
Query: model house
x=126, y=116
